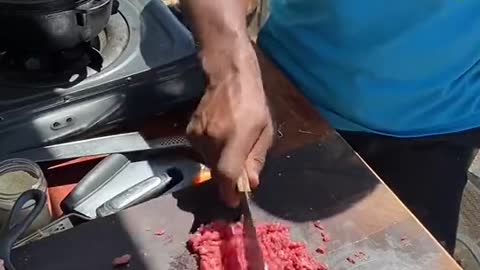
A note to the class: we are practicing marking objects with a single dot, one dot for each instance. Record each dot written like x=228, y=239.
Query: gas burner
x=65, y=68
x=143, y=63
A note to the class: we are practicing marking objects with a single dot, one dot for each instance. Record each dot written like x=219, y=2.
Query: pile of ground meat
x=220, y=246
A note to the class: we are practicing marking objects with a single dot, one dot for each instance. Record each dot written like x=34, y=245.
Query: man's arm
x=232, y=126
x=218, y=25
x=228, y=15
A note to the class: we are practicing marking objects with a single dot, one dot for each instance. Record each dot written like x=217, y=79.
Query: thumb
x=256, y=158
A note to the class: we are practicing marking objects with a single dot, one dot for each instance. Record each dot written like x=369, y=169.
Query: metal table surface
x=311, y=174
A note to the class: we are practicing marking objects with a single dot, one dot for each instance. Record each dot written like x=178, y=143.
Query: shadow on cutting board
x=87, y=247
x=313, y=182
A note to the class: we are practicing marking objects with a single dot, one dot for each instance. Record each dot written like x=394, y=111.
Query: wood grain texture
x=311, y=174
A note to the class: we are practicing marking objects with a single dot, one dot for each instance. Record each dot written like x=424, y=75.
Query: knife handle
x=139, y=193
x=98, y=177
x=243, y=184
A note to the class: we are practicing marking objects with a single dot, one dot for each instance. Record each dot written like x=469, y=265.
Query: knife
x=139, y=193
x=118, y=143
x=253, y=252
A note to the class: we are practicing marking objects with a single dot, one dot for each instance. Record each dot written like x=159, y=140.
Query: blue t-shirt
x=404, y=68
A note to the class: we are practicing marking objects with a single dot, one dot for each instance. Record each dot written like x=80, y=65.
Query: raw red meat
x=220, y=246
x=321, y=250
x=318, y=225
x=159, y=232
x=326, y=237
x=121, y=261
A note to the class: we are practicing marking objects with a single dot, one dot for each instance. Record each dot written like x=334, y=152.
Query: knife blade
x=118, y=143
x=253, y=252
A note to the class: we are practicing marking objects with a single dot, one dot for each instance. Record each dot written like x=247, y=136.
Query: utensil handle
x=99, y=176
x=16, y=226
x=243, y=183
x=136, y=194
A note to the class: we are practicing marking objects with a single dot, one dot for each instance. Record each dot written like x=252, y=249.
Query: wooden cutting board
x=323, y=180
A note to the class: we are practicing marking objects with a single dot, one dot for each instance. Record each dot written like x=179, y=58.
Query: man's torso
x=404, y=68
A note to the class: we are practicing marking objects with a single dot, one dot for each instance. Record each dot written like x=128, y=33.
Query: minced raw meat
x=220, y=246
x=121, y=261
x=321, y=250
x=318, y=225
x=325, y=237
x=159, y=232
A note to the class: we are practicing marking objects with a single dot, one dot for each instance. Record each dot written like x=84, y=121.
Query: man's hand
x=232, y=126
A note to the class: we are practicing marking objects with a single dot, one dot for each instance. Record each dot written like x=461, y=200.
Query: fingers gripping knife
x=253, y=252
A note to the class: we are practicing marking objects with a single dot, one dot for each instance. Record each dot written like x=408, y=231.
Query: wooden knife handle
x=243, y=184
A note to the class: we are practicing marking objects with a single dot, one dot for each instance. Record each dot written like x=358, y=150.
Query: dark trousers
x=428, y=174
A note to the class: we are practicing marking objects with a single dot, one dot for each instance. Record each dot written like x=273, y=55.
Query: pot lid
x=39, y=5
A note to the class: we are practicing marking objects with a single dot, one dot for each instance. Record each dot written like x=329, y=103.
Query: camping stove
x=143, y=63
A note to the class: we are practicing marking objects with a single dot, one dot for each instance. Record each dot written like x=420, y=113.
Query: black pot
x=51, y=25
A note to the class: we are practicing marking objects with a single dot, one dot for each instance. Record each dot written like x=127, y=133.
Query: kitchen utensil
x=141, y=192
x=51, y=25
x=16, y=224
x=150, y=66
x=117, y=173
x=253, y=252
x=99, y=177
x=118, y=143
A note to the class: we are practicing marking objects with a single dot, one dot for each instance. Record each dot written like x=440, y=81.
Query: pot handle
x=115, y=6
x=92, y=6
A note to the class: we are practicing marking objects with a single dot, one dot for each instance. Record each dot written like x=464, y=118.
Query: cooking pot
x=52, y=25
